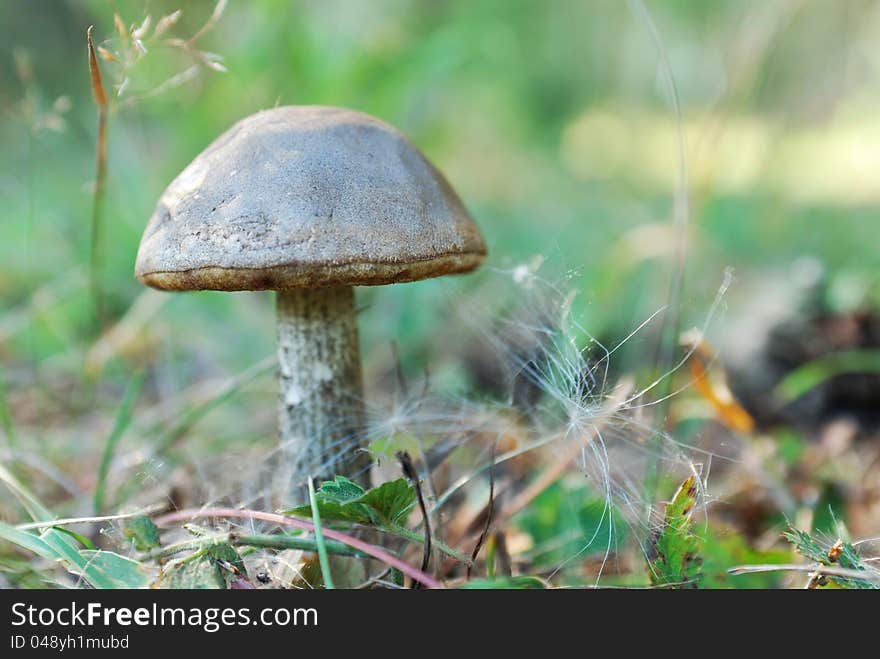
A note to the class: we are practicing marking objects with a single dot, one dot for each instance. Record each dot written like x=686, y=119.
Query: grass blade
x=27, y=541
x=812, y=374
x=123, y=420
x=319, y=537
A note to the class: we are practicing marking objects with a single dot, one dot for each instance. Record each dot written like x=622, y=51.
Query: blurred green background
x=554, y=121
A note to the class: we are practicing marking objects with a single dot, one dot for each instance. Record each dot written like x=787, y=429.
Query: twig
x=489, y=510
x=86, y=520
x=286, y=520
x=826, y=570
x=410, y=472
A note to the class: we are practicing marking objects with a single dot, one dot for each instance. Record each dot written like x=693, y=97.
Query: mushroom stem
x=321, y=406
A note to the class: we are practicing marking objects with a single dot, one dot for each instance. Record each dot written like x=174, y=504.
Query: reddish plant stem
x=376, y=552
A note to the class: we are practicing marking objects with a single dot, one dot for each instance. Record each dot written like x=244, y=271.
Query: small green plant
x=216, y=566
x=99, y=568
x=840, y=554
x=141, y=532
x=344, y=500
x=675, y=560
x=384, y=507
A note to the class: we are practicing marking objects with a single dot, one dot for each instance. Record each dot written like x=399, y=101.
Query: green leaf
x=392, y=501
x=81, y=539
x=101, y=569
x=810, y=375
x=507, y=583
x=225, y=553
x=344, y=501
x=818, y=552
x=197, y=574
x=340, y=490
x=331, y=511
x=675, y=560
x=68, y=553
x=27, y=541
x=214, y=567
x=123, y=572
x=142, y=532
x=806, y=545
x=58, y=545
x=722, y=548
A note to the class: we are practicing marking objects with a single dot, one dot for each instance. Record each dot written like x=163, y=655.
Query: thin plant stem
x=274, y=518
x=826, y=570
x=410, y=472
x=95, y=269
x=319, y=538
x=276, y=541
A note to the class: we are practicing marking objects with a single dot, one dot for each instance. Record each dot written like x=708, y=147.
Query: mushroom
x=310, y=201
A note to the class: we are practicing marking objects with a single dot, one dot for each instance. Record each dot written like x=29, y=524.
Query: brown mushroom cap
x=307, y=196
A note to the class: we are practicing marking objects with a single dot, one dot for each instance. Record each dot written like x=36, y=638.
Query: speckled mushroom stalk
x=321, y=413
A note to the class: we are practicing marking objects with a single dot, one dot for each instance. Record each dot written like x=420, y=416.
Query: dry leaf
x=717, y=394
x=95, y=72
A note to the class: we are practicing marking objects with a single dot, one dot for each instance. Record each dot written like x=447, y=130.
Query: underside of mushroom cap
x=307, y=196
